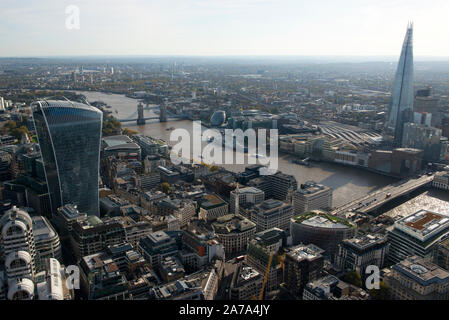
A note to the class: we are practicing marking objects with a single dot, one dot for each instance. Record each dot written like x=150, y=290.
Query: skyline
x=222, y=28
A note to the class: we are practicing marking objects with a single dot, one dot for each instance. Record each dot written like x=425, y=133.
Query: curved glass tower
x=69, y=135
x=401, y=106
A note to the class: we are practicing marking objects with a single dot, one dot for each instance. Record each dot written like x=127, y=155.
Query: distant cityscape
x=92, y=207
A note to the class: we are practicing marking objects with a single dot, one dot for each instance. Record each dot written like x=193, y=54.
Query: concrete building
x=332, y=288
x=416, y=278
x=158, y=245
x=120, y=146
x=202, y=241
x=234, y=231
x=260, y=248
x=416, y=235
x=92, y=235
x=321, y=229
x=441, y=180
x=18, y=244
x=303, y=264
x=246, y=283
x=360, y=252
x=101, y=278
x=423, y=137
x=312, y=196
x=272, y=214
x=244, y=196
x=46, y=241
x=212, y=207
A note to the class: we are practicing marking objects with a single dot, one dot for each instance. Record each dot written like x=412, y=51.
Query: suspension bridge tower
x=140, y=117
x=163, y=113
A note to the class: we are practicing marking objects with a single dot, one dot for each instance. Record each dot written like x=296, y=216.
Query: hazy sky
x=223, y=27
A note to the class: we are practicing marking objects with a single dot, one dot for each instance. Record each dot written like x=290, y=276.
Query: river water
x=347, y=183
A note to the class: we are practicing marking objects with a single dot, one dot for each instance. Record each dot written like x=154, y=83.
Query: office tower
x=426, y=102
x=260, y=248
x=246, y=283
x=242, y=197
x=416, y=278
x=401, y=105
x=46, y=242
x=303, y=264
x=360, y=252
x=2, y=104
x=69, y=135
x=417, y=235
x=203, y=243
x=423, y=137
x=321, y=229
x=276, y=186
x=234, y=231
x=272, y=214
x=312, y=196
x=91, y=235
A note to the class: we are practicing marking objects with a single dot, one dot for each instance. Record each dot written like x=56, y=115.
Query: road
x=378, y=198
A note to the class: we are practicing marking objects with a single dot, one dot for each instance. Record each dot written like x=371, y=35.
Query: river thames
x=348, y=183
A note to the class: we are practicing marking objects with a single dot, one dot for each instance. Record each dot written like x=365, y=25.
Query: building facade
x=69, y=135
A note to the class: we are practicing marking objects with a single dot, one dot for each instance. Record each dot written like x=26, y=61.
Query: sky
x=222, y=27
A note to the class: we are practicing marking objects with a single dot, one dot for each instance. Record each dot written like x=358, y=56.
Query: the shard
x=401, y=105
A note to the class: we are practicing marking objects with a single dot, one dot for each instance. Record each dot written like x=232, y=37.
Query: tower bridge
x=140, y=118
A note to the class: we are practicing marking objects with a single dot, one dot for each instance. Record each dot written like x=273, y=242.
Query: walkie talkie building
x=69, y=135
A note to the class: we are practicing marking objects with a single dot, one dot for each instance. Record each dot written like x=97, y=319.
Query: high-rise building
x=360, y=252
x=321, y=229
x=303, y=264
x=272, y=214
x=423, y=137
x=417, y=235
x=260, y=247
x=234, y=231
x=312, y=196
x=244, y=196
x=401, y=105
x=69, y=135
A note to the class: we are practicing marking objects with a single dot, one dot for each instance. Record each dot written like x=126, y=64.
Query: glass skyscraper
x=401, y=106
x=69, y=135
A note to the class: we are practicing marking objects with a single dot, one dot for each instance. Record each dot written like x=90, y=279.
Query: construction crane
x=265, y=279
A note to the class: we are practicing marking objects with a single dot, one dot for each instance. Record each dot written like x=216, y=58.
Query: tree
x=214, y=168
x=111, y=126
x=129, y=132
x=354, y=278
x=18, y=132
x=165, y=187
x=380, y=294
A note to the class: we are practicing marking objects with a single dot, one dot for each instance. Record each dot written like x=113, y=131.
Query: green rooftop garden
x=306, y=216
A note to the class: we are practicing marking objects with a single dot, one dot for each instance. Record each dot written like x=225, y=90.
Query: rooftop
x=232, y=224
x=423, y=224
x=321, y=219
x=422, y=271
x=311, y=187
x=305, y=252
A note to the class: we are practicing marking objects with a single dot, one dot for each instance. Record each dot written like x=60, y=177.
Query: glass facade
x=69, y=135
x=401, y=106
